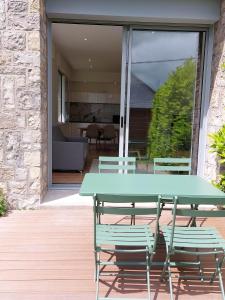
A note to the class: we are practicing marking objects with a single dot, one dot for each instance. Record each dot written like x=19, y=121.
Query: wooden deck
x=48, y=255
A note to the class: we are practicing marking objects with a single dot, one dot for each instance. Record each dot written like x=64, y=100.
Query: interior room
x=141, y=102
x=86, y=72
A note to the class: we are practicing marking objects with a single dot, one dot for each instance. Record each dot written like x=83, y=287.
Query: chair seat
x=194, y=237
x=124, y=235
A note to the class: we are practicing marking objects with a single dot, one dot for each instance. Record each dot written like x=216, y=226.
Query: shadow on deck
x=48, y=255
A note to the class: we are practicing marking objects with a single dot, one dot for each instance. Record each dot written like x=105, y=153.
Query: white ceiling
x=90, y=47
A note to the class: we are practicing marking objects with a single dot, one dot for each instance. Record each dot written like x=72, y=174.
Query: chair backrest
x=92, y=131
x=111, y=164
x=172, y=165
x=109, y=132
x=208, y=202
x=197, y=211
x=119, y=208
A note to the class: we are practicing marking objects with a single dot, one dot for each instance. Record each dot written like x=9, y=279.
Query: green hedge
x=170, y=130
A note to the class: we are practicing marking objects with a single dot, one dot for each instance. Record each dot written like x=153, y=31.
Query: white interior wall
x=95, y=87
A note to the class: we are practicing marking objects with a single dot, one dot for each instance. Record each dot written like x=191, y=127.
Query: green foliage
x=218, y=146
x=171, y=126
x=3, y=205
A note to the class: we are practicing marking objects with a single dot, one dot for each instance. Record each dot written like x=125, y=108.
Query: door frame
x=205, y=92
x=205, y=77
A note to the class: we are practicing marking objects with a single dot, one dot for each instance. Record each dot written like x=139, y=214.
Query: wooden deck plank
x=48, y=255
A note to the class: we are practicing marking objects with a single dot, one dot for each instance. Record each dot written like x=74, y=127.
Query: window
x=62, y=83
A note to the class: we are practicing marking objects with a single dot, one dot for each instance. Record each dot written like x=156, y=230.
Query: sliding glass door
x=163, y=94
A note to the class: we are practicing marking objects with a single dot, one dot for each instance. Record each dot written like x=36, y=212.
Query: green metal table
x=148, y=184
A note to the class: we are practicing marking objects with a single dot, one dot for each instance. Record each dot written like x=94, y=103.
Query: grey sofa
x=68, y=153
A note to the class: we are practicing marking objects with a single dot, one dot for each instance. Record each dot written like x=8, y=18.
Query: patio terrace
x=47, y=254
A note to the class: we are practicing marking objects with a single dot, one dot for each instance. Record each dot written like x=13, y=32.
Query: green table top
x=148, y=184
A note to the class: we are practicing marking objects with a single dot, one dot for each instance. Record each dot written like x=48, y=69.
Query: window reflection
x=162, y=94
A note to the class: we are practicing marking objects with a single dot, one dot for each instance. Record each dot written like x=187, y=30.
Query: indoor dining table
x=147, y=184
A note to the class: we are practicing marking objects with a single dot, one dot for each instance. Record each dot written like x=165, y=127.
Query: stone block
x=8, y=86
x=5, y=58
x=34, y=41
x=27, y=58
x=7, y=121
x=33, y=75
x=34, y=5
x=31, y=201
x=32, y=158
x=17, y=6
x=12, y=151
x=34, y=173
x=6, y=174
x=34, y=120
x=35, y=186
x=28, y=99
x=1, y=156
x=2, y=21
x=21, y=174
x=20, y=120
x=31, y=147
x=14, y=40
x=12, y=70
x=20, y=201
x=31, y=136
x=2, y=6
x=3, y=187
x=1, y=138
x=19, y=22
x=20, y=81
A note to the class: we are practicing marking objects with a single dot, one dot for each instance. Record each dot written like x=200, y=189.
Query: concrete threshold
x=57, y=198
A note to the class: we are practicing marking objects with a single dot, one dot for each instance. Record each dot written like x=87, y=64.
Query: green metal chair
x=172, y=165
x=194, y=241
x=123, y=165
x=117, y=164
x=118, y=238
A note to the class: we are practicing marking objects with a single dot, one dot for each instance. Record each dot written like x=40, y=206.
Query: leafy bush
x=171, y=126
x=218, y=146
x=3, y=205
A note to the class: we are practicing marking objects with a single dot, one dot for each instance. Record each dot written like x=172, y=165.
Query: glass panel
x=59, y=97
x=162, y=95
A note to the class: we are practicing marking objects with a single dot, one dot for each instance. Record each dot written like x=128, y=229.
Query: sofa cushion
x=57, y=134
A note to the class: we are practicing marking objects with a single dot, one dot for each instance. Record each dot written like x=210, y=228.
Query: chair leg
x=163, y=277
x=148, y=274
x=133, y=216
x=221, y=283
x=170, y=280
x=168, y=267
x=95, y=266
x=200, y=267
x=219, y=264
x=97, y=277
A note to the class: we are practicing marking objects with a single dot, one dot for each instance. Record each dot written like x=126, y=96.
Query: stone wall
x=216, y=112
x=23, y=102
